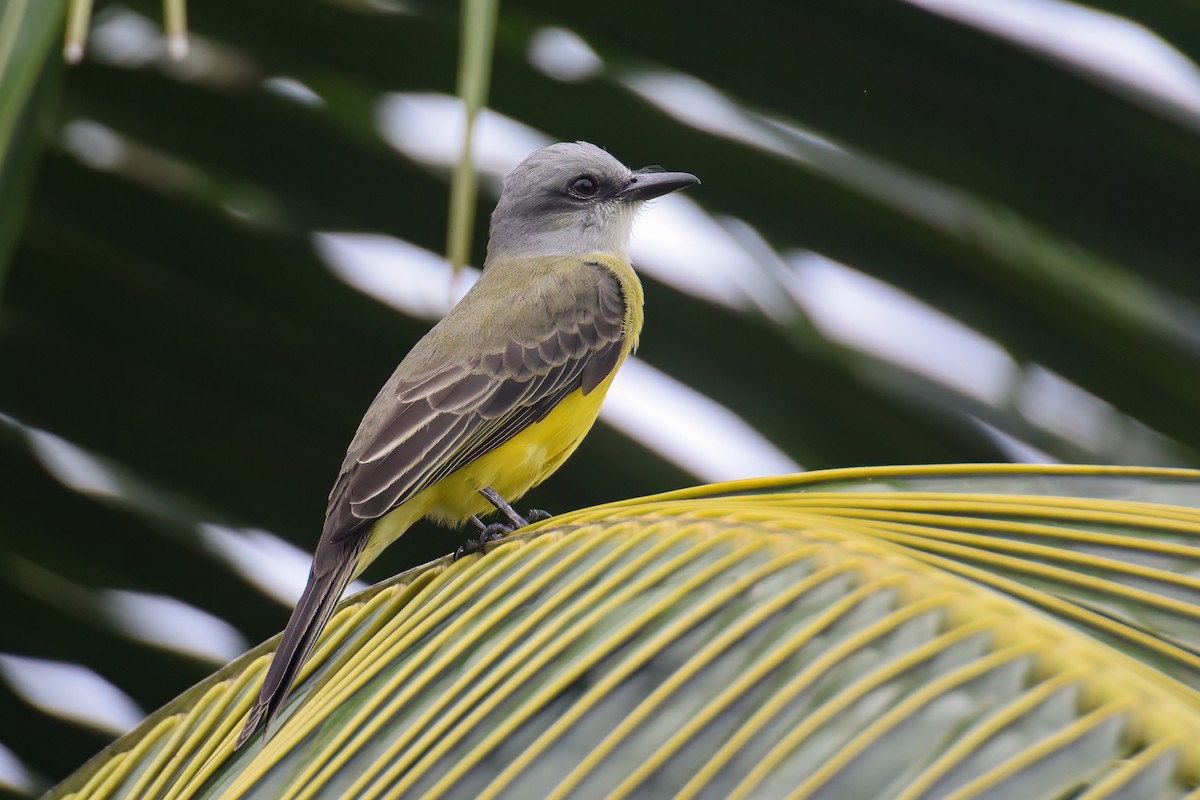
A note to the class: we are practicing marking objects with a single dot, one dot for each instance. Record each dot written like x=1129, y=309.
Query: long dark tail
x=309, y=618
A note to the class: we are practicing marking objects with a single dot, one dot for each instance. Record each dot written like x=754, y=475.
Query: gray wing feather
x=455, y=414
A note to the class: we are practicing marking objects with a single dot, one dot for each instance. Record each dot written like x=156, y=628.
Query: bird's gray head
x=573, y=198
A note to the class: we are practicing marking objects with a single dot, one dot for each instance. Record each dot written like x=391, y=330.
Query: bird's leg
x=501, y=505
x=490, y=533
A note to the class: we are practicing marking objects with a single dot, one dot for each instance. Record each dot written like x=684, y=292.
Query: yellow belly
x=512, y=469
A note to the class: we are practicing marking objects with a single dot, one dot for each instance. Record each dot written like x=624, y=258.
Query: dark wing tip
x=253, y=721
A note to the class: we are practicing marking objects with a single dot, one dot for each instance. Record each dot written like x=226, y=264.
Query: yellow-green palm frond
x=964, y=631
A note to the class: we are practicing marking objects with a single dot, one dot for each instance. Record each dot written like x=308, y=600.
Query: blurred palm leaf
x=27, y=82
x=954, y=631
x=922, y=237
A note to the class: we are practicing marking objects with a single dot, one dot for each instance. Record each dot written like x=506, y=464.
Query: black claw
x=537, y=515
x=491, y=533
x=495, y=532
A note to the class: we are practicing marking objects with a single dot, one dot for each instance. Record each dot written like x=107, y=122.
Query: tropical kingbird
x=500, y=392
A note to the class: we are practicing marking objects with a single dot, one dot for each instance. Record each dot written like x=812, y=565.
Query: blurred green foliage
x=167, y=312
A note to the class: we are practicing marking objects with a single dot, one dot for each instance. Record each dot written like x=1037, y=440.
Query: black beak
x=648, y=185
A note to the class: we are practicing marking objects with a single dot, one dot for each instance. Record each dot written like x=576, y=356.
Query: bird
x=496, y=396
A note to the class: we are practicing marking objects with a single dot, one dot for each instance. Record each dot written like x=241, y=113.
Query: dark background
x=175, y=354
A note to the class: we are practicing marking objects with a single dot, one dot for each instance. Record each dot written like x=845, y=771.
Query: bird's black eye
x=585, y=186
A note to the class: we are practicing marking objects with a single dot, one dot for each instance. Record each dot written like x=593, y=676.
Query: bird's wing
x=450, y=416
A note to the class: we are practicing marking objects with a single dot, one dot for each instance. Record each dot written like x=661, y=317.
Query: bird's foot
x=488, y=534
